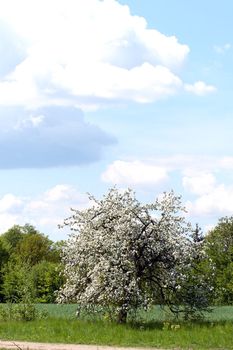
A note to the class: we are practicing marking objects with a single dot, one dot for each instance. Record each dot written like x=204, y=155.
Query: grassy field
x=219, y=313
x=153, y=330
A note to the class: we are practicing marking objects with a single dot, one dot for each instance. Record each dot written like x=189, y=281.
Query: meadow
x=152, y=329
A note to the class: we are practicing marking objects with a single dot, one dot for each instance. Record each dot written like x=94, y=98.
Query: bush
x=20, y=312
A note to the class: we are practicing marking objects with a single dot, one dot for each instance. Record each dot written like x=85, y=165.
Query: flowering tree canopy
x=124, y=255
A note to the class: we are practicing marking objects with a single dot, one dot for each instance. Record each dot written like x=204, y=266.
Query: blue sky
x=100, y=93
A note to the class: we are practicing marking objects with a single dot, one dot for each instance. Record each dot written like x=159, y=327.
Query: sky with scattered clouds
x=98, y=93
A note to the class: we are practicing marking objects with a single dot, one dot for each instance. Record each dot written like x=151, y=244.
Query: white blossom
x=124, y=255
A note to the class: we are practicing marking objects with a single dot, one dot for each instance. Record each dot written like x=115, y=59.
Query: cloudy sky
x=96, y=93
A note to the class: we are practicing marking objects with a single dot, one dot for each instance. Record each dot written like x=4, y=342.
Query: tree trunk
x=122, y=316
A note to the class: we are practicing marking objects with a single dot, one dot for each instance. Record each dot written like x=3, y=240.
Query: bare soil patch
x=19, y=345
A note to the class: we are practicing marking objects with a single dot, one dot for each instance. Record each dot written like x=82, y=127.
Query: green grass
x=187, y=336
x=68, y=311
x=153, y=330
x=219, y=313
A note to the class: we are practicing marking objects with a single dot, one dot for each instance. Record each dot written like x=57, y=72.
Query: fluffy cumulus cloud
x=49, y=137
x=85, y=53
x=218, y=201
x=196, y=171
x=46, y=211
x=211, y=198
x=134, y=173
x=200, y=88
x=197, y=177
x=199, y=184
x=10, y=203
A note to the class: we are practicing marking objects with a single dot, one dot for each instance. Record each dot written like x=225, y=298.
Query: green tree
x=18, y=282
x=197, y=287
x=34, y=248
x=4, y=256
x=12, y=237
x=30, y=261
x=219, y=247
x=47, y=280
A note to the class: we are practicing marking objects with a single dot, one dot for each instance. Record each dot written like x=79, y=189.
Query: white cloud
x=145, y=83
x=213, y=199
x=10, y=203
x=134, y=173
x=19, y=92
x=200, y=88
x=8, y=220
x=217, y=202
x=86, y=53
x=46, y=211
x=198, y=174
x=199, y=184
x=59, y=192
x=197, y=171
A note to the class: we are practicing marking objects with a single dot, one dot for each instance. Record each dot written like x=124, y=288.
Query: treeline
x=219, y=265
x=31, y=268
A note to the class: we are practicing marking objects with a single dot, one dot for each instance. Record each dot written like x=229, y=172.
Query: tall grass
x=153, y=329
x=157, y=334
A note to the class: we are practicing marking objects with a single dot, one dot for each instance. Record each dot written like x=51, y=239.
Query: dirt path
x=20, y=345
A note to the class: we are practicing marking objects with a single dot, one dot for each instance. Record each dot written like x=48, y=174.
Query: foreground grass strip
x=163, y=335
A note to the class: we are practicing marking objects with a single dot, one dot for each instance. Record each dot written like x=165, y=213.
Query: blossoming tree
x=123, y=255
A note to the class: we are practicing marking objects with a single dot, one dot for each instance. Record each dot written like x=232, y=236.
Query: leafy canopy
x=219, y=248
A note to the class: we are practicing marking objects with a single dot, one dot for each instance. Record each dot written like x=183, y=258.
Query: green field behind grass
x=218, y=313
x=152, y=329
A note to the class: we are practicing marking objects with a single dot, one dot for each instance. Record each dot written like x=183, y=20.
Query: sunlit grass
x=158, y=334
x=153, y=329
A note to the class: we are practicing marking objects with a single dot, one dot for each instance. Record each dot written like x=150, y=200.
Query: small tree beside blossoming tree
x=124, y=255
